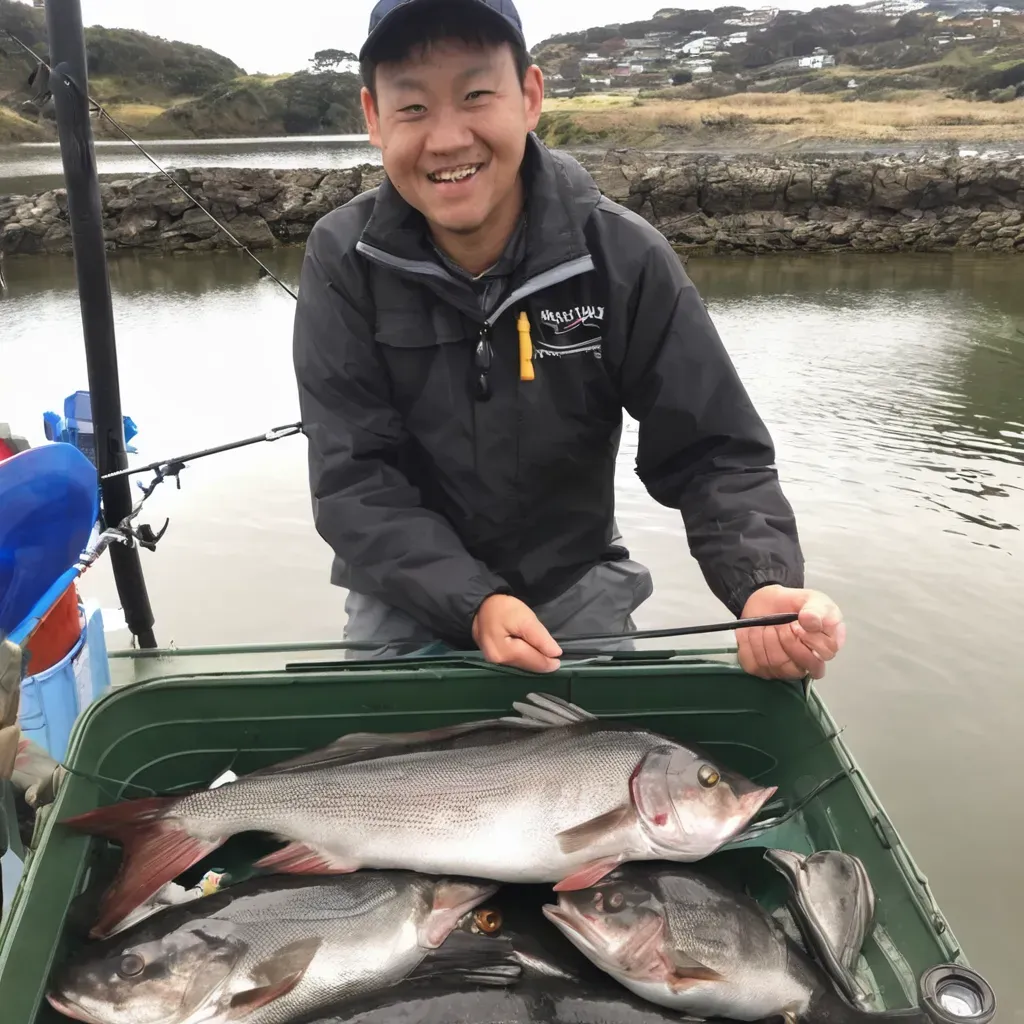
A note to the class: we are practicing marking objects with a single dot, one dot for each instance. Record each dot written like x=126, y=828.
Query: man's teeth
x=458, y=174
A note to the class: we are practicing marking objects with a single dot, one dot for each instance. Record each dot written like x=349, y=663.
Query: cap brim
x=395, y=15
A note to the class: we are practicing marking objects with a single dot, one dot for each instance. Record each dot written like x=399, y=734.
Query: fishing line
x=98, y=108
x=98, y=780
x=759, y=828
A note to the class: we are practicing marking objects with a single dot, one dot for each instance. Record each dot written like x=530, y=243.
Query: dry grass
x=134, y=115
x=912, y=117
x=14, y=128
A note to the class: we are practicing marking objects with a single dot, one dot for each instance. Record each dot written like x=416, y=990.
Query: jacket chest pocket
x=428, y=354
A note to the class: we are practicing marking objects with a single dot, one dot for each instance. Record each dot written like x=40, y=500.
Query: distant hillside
x=299, y=104
x=940, y=45
x=125, y=67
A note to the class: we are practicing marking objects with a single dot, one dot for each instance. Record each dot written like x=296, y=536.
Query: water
x=34, y=166
x=894, y=387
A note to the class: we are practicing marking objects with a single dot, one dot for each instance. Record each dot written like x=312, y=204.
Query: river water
x=894, y=387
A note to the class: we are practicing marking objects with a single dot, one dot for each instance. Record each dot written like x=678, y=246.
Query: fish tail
x=156, y=851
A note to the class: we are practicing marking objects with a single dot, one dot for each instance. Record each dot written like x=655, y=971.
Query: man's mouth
x=454, y=174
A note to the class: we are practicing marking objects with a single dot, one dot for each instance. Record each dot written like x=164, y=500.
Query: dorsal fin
x=548, y=711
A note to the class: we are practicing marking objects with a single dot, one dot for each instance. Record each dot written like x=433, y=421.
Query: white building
x=736, y=39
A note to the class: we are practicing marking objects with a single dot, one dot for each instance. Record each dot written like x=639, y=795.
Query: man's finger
x=825, y=646
x=782, y=665
x=755, y=637
x=801, y=654
x=820, y=614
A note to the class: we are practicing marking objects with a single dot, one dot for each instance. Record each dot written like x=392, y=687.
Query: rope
x=103, y=113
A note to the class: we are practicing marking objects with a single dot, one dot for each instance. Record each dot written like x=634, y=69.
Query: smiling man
x=467, y=338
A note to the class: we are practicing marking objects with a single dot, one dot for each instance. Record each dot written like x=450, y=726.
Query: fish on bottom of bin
x=274, y=949
x=685, y=941
x=555, y=795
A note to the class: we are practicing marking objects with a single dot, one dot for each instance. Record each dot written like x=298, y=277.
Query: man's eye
x=415, y=108
x=478, y=93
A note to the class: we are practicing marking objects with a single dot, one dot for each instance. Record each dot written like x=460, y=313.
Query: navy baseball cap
x=387, y=12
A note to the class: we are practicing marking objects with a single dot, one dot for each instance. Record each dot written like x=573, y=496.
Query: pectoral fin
x=588, y=875
x=590, y=832
x=686, y=971
x=273, y=977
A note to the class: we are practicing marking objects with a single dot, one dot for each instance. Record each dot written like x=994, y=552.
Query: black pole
x=70, y=86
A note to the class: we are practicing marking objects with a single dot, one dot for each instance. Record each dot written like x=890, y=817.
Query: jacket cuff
x=740, y=594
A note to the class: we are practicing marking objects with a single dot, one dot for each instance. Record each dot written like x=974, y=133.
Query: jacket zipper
x=548, y=279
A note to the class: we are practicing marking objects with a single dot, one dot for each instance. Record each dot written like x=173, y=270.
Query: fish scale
x=341, y=938
x=492, y=811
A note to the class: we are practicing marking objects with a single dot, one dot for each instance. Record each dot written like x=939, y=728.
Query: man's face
x=451, y=123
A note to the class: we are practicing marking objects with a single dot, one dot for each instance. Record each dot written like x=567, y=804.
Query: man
x=466, y=339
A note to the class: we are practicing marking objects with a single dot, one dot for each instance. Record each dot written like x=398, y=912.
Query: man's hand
x=509, y=633
x=798, y=648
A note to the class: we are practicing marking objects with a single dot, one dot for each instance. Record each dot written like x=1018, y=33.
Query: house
x=817, y=61
x=736, y=39
x=694, y=45
x=592, y=58
x=702, y=69
x=622, y=71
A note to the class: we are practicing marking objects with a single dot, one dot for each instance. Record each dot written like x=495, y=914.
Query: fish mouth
x=579, y=930
x=70, y=1009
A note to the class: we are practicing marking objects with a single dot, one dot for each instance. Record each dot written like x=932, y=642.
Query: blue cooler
x=53, y=699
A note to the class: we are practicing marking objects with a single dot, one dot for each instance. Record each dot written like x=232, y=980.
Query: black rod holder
x=70, y=87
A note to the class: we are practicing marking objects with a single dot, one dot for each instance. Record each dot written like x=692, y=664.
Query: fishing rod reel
x=953, y=994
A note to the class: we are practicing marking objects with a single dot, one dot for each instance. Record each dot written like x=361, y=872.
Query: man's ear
x=372, y=116
x=533, y=94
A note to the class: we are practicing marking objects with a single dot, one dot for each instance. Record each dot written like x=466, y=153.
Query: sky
x=293, y=30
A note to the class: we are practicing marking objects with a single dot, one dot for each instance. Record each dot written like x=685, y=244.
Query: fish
x=273, y=949
x=682, y=940
x=833, y=904
x=555, y=985
x=555, y=795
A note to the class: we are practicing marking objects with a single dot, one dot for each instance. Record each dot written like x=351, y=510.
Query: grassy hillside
x=127, y=69
x=299, y=104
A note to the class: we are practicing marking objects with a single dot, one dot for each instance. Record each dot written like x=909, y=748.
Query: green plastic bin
x=187, y=716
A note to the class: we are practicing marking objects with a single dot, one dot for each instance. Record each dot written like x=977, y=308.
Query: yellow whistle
x=525, y=348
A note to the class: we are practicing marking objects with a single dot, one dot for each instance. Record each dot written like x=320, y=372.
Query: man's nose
x=449, y=133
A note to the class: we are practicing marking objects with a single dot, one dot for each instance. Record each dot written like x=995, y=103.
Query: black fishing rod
x=69, y=85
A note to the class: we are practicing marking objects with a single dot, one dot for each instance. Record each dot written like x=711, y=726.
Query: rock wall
x=703, y=203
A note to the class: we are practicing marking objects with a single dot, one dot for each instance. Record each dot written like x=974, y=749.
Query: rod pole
x=70, y=86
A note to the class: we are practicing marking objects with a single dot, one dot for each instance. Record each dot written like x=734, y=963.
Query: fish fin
x=156, y=851
x=686, y=970
x=472, y=960
x=588, y=875
x=279, y=974
x=452, y=900
x=368, y=746
x=579, y=837
x=547, y=711
x=300, y=859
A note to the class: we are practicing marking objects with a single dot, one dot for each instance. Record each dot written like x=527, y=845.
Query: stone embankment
x=703, y=203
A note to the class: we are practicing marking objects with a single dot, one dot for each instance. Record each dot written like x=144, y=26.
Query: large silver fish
x=271, y=950
x=556, y=795
x=684, y=941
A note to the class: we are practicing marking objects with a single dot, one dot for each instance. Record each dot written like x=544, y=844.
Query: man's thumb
x=534, y=633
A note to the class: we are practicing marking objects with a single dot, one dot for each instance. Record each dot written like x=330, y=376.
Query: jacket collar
x=560, y=195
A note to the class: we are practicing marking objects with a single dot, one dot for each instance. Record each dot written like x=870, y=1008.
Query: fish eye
x=488, y=921
x=708, y=777
x=615, y=901
x=131, y=965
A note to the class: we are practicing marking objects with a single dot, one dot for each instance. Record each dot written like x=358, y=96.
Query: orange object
x=525, y=348
x=56, y=634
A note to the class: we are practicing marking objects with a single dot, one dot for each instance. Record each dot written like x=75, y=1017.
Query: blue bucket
x=52, y=700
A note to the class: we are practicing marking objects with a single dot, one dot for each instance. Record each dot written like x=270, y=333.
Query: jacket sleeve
x=703, y=448
x=386, y=544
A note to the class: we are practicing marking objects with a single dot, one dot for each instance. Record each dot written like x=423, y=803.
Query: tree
x=331, y=60
x=682, y=77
